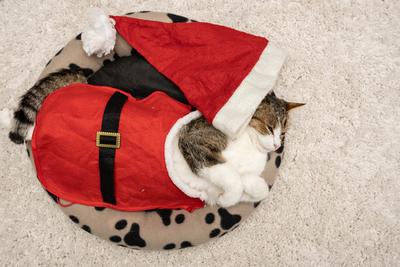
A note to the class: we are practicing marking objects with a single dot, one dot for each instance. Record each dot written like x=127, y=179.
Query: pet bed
x=151, y=228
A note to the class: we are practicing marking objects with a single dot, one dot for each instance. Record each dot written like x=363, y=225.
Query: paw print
x=132, y=238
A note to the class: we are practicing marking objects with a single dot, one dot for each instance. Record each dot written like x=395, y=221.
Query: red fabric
x=66, y=155
x=208, y=62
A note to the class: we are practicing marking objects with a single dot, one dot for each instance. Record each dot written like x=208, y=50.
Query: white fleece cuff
x=236, y=114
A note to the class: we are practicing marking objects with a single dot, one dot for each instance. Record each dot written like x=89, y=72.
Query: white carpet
x=337, y=200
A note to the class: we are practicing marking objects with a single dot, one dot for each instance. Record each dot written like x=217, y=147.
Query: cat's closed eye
x=270, y=129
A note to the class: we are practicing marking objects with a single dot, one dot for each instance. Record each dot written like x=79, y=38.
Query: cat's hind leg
x=228, y=179
x=255, y=187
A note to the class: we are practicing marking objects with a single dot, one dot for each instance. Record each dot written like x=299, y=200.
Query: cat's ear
x=272, y=93
x=292, y=105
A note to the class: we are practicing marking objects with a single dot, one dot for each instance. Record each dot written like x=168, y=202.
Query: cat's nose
x=276, y=146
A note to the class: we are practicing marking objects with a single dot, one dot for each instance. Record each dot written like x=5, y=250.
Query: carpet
x=337, y=198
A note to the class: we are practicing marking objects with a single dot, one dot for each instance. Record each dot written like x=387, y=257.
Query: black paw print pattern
x=228, y=222
x=85, y=227
x=132, y=238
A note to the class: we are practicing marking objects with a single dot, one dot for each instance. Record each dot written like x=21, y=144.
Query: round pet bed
x=151, y=229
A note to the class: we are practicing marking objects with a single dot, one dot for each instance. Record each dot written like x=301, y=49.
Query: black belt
x=108, y=140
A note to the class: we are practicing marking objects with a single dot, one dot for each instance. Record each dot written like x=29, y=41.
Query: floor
x=336, y=201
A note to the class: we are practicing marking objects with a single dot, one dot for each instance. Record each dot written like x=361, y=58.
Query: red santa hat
x=224, y=73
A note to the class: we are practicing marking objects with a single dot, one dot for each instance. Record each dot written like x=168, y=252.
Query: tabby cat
x=232, y=165
x=235, y=166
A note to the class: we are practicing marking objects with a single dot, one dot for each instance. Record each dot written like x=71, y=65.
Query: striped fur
x=201, y=144
x=31, y=101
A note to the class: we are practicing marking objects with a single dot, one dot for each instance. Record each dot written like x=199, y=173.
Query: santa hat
x=224, y=73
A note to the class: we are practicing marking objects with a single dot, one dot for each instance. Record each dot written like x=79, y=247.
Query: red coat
x=67, y=158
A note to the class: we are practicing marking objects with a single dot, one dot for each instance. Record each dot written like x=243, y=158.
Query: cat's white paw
x=228, y=199
x=255, y=187
x=247, y=198
x=100, y=35
x=228, y=180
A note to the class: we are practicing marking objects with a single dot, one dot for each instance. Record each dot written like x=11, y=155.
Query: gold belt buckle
x=100, y=143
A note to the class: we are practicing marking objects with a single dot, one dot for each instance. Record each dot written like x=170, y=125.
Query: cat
x=232, y=165
x=235, y=166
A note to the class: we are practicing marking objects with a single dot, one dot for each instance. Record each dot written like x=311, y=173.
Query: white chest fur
x=245, y=155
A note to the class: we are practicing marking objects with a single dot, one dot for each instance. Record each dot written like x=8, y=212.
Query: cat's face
x=270, y=121
x=272, y=140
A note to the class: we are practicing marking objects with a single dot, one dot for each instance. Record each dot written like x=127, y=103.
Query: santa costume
x=102, y=147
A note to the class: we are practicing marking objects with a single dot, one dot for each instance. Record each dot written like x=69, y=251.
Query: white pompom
x=99, y=36
x=6, y=116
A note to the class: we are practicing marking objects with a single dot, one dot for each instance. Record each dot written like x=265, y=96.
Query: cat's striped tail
x=7, y=122
x=23, y=119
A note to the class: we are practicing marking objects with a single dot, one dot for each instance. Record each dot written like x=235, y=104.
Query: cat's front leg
x=255, y=187
x=228, y=179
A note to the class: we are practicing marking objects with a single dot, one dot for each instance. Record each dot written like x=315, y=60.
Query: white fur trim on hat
x=235, y=115
x=100, y=35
